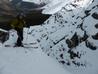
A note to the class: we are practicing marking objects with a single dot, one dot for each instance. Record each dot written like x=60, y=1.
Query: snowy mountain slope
x=71, y=37
x=27, y=61
x=72, y=41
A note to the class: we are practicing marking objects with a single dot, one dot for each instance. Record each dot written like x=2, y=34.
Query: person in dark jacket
x=30, y=14
x=18, y=24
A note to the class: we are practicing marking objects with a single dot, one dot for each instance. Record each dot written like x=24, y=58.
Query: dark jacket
x=17, y=23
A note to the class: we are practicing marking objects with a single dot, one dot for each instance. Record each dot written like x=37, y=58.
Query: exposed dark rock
x=73, y=16
x=48, y=54
x=87, y=12
x=90, y=45
x=68, y=43
x=66, y=21
x=95, y=15
x=68, y=63
x=78, y=63
x=63, y=49
x=63, y=62
x=94, y=6
x=96, y=26
x=95, y=37
x=74, y=5
x=38, y=40
x=73, y=42
x=84, y=38
x=3, y=36
x=97, y=5
x=80, y=26
x=51, y=46
x=61, y=55
x=73, y=55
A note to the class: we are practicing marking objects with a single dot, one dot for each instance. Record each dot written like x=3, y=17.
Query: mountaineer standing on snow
x=17, y=14
x=18, y=24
